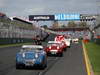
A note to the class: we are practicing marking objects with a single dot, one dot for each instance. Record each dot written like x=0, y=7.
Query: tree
x=82, y=24
x=72, y=24
x=45, y=26
x=55, y=24
x=63, y=26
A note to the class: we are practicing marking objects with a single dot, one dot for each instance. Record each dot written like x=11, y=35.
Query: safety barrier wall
x=95, y=40
x=14, y=40
x=18, y=40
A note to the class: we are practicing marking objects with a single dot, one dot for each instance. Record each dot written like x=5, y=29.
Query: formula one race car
x=54, y=48
x=30, y=56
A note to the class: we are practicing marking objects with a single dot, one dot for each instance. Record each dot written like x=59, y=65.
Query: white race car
x=75, y=40
x=68, y=42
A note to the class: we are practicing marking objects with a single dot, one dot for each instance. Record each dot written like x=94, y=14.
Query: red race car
x=63, y=45
x=54, y=48
x=61, y=39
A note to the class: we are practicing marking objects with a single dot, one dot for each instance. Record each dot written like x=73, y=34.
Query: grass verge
x=10, y=45
x=93, y=51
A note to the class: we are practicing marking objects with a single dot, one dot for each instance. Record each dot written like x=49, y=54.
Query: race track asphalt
x=72, y=63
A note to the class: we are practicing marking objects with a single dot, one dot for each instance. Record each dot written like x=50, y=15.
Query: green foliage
x=63, y=26
x=82, y=24
x=45, y=26
x=72, y=24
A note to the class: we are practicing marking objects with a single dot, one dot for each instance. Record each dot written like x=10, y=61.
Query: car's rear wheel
x=65, y=49
x=44, y=64
x=68, y=46
x=18, y=66
x=60, y=54
x=48, y=54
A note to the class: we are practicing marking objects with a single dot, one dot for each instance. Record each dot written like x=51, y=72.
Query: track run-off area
x=72, y=63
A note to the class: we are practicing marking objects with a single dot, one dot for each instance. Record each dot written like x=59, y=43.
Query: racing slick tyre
x=18, y=66
x=48, y=54
x=68, y=46
x=60, y=54
x=65, y=49
x=43, y=65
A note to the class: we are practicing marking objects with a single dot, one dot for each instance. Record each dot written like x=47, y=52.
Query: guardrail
x=14, y=40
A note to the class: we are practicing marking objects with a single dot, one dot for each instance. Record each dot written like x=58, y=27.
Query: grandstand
x=97, y=27
x=96, y=30
x=16, y=28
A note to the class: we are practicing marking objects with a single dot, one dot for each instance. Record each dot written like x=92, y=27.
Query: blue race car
x=31, y=55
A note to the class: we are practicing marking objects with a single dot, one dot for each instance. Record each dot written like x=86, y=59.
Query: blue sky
x=23, y=8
